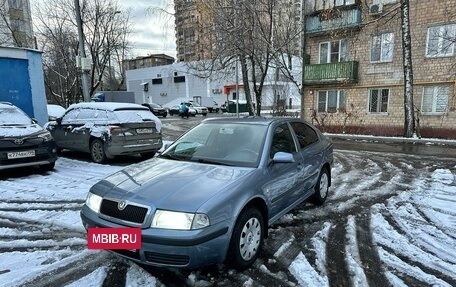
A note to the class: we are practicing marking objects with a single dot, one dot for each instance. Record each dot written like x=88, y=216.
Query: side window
x=282, y=140
x=86, y=115
x=70, y=117
x=305, y=134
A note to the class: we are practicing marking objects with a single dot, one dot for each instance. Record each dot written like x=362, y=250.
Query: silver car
x=210, y=196
x=106, y=129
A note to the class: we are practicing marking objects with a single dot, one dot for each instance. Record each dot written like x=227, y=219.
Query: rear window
x=134, y=115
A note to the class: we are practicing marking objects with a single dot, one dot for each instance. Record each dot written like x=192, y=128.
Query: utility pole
x=82, y=55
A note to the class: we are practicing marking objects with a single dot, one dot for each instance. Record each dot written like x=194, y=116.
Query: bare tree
x=409, y=123
x=106, y=30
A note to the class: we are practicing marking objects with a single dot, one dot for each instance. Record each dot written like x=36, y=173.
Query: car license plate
x=144, y=131
x=21, y=154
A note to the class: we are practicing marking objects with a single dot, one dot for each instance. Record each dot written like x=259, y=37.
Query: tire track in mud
x=335, y=256
x=368, y=253
x=69, y=272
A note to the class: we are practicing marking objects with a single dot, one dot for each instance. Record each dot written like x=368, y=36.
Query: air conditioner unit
x=375, y=9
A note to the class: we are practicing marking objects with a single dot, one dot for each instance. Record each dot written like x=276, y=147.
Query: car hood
x=169, y=184
x=19, y=130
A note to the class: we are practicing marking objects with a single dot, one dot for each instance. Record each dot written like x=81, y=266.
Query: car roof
x=110, y=106
x=250, y=120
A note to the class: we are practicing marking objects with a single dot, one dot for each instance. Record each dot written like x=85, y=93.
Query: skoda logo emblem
x=18, y=141
x=122, y=204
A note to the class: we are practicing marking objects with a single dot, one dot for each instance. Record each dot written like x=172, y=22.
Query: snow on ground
x=413, y=232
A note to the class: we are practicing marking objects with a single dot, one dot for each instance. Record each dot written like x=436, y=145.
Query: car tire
x=321, y=188
x=247, y=239
x=48, y=167
x=164, y=115
x=148, y=155
x=97, y=151
x=205, y=114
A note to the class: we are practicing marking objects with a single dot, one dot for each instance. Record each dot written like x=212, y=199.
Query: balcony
x=332, y=73
x=336, y=19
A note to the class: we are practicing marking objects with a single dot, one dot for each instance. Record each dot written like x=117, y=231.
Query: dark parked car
x=106, y=129
x=156, y=109
x=210, y=196
x=23, y=142
x=174, y=110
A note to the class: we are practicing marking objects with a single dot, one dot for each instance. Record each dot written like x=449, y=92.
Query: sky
x=153, y=31
x=41, y=231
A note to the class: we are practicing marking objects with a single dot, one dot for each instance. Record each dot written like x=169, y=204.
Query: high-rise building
x=16, y=24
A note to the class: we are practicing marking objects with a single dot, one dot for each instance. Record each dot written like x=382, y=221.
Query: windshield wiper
x=201, y=160
x=168, y=156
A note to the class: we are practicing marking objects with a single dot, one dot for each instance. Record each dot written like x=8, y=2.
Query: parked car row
x=102, y=129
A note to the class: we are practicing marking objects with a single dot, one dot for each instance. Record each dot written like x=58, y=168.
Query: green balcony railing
x=336, y=20
x=331, y=73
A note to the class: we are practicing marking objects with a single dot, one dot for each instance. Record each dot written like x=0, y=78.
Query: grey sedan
x=211, y=195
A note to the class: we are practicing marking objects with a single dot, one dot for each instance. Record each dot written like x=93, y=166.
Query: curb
x=366, y=138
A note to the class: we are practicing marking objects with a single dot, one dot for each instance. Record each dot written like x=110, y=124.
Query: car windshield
x=12, y=115
x=195, y=104
x=220, y=143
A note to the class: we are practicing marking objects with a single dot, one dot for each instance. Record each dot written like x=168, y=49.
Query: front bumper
x=45, y=153
x=171, y=248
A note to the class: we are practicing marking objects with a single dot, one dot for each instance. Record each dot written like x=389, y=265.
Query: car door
x=61, y=130
x=283, y=185
x=311, y=153
x=91, y=121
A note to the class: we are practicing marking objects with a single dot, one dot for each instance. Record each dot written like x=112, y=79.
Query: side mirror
x=59, y=120
x=283, y=157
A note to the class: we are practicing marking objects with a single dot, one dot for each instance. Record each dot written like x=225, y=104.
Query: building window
x=435, y=99
x=179, y=79
x=378, y=100
x=157, y=81
x=16, y=4
x=440, y=41
x=382, y=48
x=331, y=101
x=333, y=52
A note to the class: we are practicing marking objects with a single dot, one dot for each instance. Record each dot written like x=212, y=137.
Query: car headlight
x=93, y=202
x=179, y=220
x=46, y=136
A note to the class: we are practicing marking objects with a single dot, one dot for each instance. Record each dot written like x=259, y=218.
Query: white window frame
x=338, y=100
x=441, y=46
x=434, y=101
x=384, y=2
x=341, y=55
x=328, y=4
x=386, y=47
x=379, y=101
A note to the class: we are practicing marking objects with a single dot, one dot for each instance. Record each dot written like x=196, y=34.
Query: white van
x=208, y=102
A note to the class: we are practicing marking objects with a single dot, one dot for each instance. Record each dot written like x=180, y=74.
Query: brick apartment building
x=354, y=82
